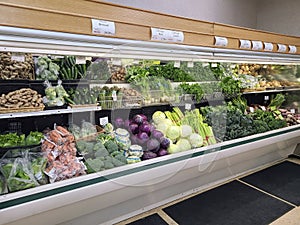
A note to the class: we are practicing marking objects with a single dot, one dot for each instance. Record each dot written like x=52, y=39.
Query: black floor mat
x=282, y=180
x=229, y=204
x=154, y=219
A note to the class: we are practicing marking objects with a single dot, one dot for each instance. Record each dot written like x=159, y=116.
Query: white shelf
x=49, y=112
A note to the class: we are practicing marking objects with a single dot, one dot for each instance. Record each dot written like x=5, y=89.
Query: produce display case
x=111, y=195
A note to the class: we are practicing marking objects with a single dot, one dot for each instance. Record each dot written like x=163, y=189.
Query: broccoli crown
x=121, y=158
x=101, y=152
x=98, y=146
x=94, y=165
x=111, y=146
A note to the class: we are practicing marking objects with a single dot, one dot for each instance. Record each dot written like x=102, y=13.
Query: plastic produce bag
x=3, y=187
x=46, y=69
x=37, y=165
x=18, y=174
x=88, y=129
x=54, y=95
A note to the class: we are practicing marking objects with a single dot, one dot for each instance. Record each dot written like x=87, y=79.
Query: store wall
x=279, y=16
x=234, y=12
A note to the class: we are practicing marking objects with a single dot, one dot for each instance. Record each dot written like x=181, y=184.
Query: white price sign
x=103, y=121
x=266, y=98
x=190, y=64
x=268, y=46
x=257, y=45
x=188, y=106
x=245, y=44
x=166, y=35
x=221, y=41
x=293, y=111
x=103, y=27
x=282, y=48
x=293, y=49
x=18, y=57
x=177, y=64
x=80, y=60
x=251, y=109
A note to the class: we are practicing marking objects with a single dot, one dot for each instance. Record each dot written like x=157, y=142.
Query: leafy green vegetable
x=12, y=140
x=111, y=146
x=194, y=89
x=34, y=138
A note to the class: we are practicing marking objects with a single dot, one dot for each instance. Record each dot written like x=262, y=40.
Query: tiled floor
x=292, y=217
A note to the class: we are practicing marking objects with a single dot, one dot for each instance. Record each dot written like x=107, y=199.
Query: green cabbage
x=158, y=116
x=186, y=131
x=173, y=132
x=183, y=145
x=196, y=140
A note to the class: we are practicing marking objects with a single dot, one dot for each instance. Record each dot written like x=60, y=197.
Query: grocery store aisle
x=268, y=196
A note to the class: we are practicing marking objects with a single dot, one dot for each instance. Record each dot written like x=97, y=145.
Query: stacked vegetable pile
x=233, y=120
x=22, y=170
x=12, y=69
x=46, y=69
x=60, y=150
x=14, y=140
x=22, y=99
x=185, y=131
x=55, y=96
x=98, y=70
x=81, y=96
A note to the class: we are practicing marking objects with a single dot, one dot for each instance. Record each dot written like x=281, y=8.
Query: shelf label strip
x=103, y=27
x=158, y=34
x=221, y=41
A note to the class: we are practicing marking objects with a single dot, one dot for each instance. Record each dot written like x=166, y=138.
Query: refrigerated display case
x=111, y=195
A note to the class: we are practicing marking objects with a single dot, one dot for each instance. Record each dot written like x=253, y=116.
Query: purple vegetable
x=145, y=122
x=134, y=128
x=153, y=145
x=142, y=138
x=148, y=155
x=162, y=152
x=119, y=122
x=144, y=117
x=134, y=139
x=127, y=122
x=157, y=134
x=138, y=119
x=145, y=128
x=164, y=142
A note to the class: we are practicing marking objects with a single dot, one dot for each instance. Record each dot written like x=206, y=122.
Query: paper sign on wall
x=257, y=45
x=166, y=35
x=268, y=46
x=245, y=44
x=103, y=27
x=293, y=49
x=282, y=48
x=221, y=41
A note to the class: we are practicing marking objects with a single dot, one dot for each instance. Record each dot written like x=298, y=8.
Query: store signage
x=221, y=41
x=245, y=44
x=282, y=48
x=268, y=46
x=103, y=121
x=190, y=64
x=18, y=57
x=80, y=60
x=188, y=106
x=177, y=64
x=293, y=49
x=257, y=45
x=103, y=27
x=166, y=35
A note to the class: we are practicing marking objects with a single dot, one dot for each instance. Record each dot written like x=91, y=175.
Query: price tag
x=293, y=49
x=177, y=36
x=245, y=44
x=114, y=96
x=188, y=106
x=214, y=65
x=232, y=66
x=266, y=98
x=103, y=27
x=251, y=109
x=293, y=111
x=166, y=35
x=117, y=62
x=282, y=48
x=221, y=41
x=268, y=46
x=80, y=60
x=263, y=108
x=177, y=64
x=103, y=121
x=190, y=64
x=205, y=64
x=257, y=45
x=57, y=56
x=18, y=57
